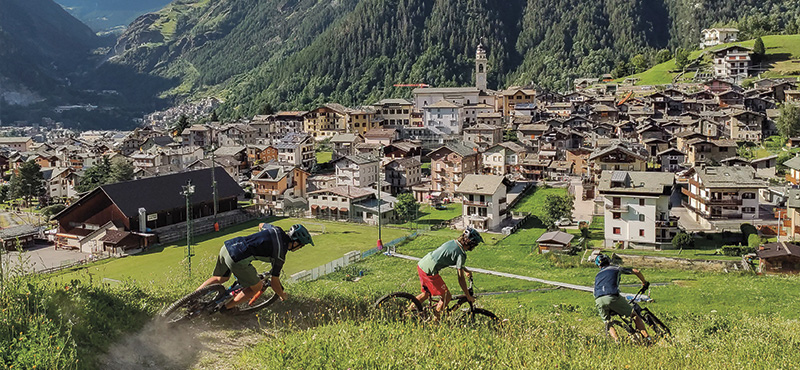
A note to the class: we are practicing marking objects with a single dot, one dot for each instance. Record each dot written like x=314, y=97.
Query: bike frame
x=456, y=302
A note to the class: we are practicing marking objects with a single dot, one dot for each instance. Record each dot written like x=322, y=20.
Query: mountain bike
x=626, y=324
x=402, y=306
x=212, y=298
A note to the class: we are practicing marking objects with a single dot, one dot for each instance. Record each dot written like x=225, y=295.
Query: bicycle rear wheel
x=479, y=317
x=398, y=306
x=659, y=329
x=193, y=304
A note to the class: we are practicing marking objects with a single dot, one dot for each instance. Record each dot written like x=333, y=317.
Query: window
x=641, y=202
x=641, y=232
x=748, y=195
x=617, y=231
x=748, y=210
x=617, y=216
x=641, y=218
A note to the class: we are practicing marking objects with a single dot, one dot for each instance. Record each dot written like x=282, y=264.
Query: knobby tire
x=395, y=306
x=193, y=304
x=658, y=327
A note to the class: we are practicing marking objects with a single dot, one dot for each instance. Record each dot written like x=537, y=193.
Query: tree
x=28, y=182
x=662, y=56
x=754, y=241
x=788, y=122
x=683, y=241
x=52, y=210
x=758, y=50
x=406, y=206
x=213, y=117
x=681, y=58
x=557, y=207
x=747, y=230
x=97, y=175
x=4, y=193
x=639, y=63
x=121, y=171
x=182, y=124
x=620, y=70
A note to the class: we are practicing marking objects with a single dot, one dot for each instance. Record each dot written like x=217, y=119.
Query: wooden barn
x=782, y=258
x=117, y=208
x=555, y=241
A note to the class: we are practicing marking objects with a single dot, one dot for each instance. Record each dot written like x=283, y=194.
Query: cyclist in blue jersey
x=606, y=294
x=269, y=244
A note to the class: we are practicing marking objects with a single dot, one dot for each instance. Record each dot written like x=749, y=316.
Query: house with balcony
x=196, y=135
x=672, y=160
x=483, y=135
x=449, y=165
x=709, y=151
x=402, y=174
x=359, y=170
x=297, y=150
x=444, y=116
x=724, y=192
x=278, y=188
x=345, y=144
x=732, y=62
x=717, y=36
x=351, y=203
x=394, y=112
x=616, y=157
x=483, y=200
x=793, y=170
x=745, y=126
x=325, y=121
x=637, y=209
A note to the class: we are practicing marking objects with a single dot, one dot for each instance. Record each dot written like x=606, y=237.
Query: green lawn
x=167, y=262
x=432, y=216
x=534, y=201
x=323, y=157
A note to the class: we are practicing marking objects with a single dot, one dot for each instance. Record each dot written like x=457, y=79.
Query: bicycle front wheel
x=625, y=330
x=659, y=329
x=266, y=298
x=193, y=304
x=398, y=306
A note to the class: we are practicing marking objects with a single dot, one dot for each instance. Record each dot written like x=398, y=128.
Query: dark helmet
x=602, y=260
x=473, y=236
x=300, y=233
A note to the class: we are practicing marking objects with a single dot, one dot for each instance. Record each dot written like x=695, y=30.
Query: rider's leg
x=639, y=324
x=245, y=295
x=214, y=280
x=612, y=331
x=443, y=303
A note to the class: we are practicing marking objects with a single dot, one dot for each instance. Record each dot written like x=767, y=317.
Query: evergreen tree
x=97, y=175
x=681, y=58
x=121, y=171
x=788, y=122
x=662, y=56
x=759, y=52
x=28, y=183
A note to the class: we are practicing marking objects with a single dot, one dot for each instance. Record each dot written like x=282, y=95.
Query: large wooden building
x=158, y=199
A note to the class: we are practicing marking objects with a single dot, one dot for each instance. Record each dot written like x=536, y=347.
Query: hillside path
x=582, y=288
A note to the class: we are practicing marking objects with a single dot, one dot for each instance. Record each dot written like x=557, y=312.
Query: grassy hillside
x=781, y=50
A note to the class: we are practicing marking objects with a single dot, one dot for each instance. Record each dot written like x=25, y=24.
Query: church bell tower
x=481, y=66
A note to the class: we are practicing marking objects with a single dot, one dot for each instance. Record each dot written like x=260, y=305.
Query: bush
x=683, y=241
x=747, y=230
x=737, y=250
x=754, y=241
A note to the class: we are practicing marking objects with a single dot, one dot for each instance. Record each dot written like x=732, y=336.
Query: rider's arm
x=639, y=275
x=275, y=284
x=462, y=281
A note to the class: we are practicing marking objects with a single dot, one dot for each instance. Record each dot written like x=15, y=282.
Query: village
x=650, y=163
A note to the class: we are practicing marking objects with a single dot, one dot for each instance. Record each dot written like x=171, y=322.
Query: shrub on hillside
x=737, y=250
x=683, y=241
x=754, y=241
x=747, y=230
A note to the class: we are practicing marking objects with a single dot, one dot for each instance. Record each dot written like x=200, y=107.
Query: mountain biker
x=451, y=253
x=269, y=244
x=607, y=297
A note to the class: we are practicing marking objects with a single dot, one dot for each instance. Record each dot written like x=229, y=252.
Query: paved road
x=41, y=257
x=584, y=209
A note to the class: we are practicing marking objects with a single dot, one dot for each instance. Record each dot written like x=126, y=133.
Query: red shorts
x=435, y=284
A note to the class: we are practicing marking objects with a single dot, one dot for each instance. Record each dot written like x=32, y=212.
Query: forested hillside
x=107, y=14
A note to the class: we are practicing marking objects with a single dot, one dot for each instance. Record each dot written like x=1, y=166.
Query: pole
x=187, y=192
x=380, y=182
x=214, y=180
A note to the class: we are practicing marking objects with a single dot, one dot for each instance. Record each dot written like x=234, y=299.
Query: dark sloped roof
x=556, y=236
x=779, y=250
x=162, y=193
x=114, y=236
x=17, y=231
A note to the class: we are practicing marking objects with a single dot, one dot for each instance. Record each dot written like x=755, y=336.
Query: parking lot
x=40, y=257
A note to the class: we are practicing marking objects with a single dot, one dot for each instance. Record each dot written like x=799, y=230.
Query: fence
x=348, y=259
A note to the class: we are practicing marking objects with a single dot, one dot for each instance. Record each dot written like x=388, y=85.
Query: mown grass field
x=323, y=157
x=168, y=262
x=428, y=215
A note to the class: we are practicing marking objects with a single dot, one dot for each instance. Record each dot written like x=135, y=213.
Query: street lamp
x=380, y=183
x=188, y=191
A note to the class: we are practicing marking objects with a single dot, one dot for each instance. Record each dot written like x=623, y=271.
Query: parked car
x=564, y=222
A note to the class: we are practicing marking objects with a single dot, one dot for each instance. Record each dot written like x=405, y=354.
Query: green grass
x=714, y=328
x=781, y=49
x=323, y=157
x=534, y=202
x=168, y=262
x=432, y=216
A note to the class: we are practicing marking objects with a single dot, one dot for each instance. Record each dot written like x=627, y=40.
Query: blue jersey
x=270, y=244
x=607, y=280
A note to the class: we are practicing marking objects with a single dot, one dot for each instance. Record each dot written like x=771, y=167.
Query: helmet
x=300, y=234
x=473, y=236
x=602, y=260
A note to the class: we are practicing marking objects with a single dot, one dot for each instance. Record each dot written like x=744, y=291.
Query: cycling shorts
x=434, y=283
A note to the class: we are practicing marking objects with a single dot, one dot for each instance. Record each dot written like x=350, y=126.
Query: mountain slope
x=297, y=53
x=108, y=14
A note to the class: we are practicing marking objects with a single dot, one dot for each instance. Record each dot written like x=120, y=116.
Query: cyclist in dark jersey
x=270, y=244
x=606, y=294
